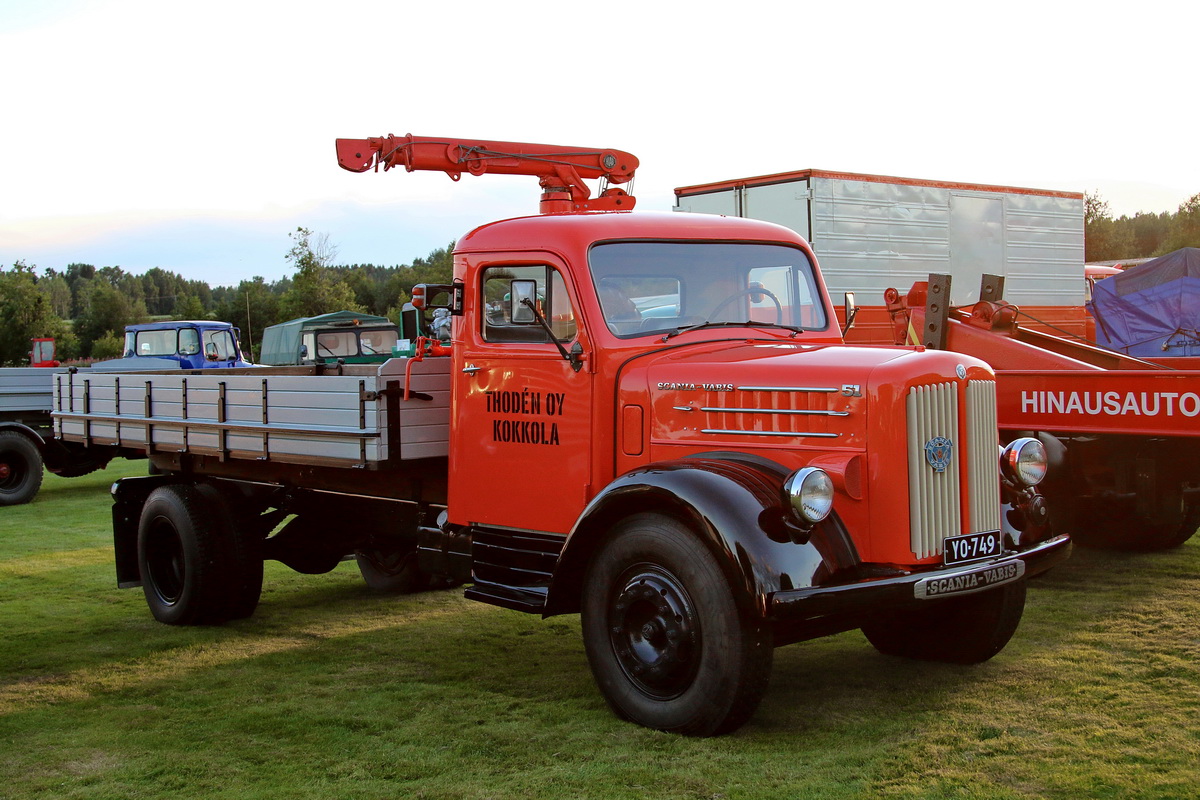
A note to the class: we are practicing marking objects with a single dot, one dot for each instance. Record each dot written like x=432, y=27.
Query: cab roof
x=571, y=231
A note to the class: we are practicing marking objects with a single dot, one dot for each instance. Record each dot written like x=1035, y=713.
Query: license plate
x=966, y=581
x=971, y=547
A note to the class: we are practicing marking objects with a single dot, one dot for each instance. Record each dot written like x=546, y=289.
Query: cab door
x=521, y=456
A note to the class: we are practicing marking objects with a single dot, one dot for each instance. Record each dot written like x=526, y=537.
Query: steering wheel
x=751, y=292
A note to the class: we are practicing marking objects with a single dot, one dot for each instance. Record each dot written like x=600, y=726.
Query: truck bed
x=353, y=417
x=25, y=389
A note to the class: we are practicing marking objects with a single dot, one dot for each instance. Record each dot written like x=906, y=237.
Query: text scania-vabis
x=649, y=419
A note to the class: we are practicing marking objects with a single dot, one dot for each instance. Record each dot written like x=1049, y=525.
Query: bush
x=108, y=346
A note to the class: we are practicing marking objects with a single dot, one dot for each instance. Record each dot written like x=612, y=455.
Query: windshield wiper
x=747, y=324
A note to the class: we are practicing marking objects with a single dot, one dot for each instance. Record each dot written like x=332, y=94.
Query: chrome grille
x=935, y=498
x=780, y=411
x=932, y=411
x=983, y=483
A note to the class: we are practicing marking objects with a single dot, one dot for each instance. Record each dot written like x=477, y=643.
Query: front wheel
x=666, y=641
x=960, y=630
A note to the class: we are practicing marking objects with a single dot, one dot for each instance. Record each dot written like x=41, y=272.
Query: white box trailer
x=872, y=232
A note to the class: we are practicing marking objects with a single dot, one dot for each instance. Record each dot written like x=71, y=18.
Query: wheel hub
x=654, y=632
x=5, y=471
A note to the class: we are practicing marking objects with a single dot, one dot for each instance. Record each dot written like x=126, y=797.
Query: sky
x=195, y=136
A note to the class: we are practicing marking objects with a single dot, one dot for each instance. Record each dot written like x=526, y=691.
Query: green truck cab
x=344, y=336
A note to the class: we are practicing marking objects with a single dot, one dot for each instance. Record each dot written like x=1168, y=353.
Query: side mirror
x=522, y=294
x=851, y=313
x=430, y=296
x=303, y=351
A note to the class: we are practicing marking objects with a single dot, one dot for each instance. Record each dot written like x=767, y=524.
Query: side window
x=552, y=303
x=219, y=342
x=189, y=342
x=161, y=343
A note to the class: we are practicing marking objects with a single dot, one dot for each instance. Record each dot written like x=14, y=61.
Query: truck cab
x=190, y=344
x=345, y=336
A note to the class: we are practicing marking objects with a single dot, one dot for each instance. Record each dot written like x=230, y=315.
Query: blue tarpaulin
x=1152, y=309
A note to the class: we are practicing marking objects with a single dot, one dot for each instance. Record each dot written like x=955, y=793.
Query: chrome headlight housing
x=809, y=491
x=1023, y=461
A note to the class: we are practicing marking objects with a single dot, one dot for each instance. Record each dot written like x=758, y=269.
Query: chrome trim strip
x=776, y=411
x=787, y=389
x=772, y=433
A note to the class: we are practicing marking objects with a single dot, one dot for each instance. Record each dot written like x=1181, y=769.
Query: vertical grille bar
x=932, y=411
x=983, y=486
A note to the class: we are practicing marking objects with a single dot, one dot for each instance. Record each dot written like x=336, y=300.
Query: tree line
x=86, y=308
x=1143, y=235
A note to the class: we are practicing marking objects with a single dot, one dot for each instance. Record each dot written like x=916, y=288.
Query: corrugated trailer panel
x=872, y=232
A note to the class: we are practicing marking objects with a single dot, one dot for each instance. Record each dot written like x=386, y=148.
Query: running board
x=530, y=599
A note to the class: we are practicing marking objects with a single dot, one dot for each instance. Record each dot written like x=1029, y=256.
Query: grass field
x=331, y=691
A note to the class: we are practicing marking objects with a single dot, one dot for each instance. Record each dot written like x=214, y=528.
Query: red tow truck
x=650, y=419
x=1121, y=432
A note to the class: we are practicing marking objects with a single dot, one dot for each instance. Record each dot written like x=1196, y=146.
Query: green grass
x=331, y=691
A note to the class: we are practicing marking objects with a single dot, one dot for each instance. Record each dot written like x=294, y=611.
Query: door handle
x=471, y=369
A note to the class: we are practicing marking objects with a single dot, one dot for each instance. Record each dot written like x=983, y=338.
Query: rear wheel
x=1132, y=531
x=194, y=569
x=667, y=643
x=20, y=469
x=391, y=570
x=959, y=630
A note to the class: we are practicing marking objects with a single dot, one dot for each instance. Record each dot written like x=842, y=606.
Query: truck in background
x=178, y=344
x=345, y=336
x=1123, y=433
x=873, y=232
x=27, y=441
x=703, y=478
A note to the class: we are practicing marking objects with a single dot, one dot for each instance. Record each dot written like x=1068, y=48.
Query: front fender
x=735, y=508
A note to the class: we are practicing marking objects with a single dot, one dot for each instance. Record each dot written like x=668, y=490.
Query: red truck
x=650, y=419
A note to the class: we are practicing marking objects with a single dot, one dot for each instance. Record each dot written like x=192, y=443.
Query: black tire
x=391, y=571
x=20, y=469
x=960, y=630
x=1133, y=533
x=665, y=639
x=187, y=557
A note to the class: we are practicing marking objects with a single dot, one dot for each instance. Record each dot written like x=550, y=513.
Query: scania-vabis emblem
x=938, y=452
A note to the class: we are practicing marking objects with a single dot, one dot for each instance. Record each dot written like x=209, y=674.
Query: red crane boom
x=560, y=170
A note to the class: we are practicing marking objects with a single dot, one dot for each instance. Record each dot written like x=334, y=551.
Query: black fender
x=735, y=507
x=59, y=456
x=25, y=430
x=129, y=495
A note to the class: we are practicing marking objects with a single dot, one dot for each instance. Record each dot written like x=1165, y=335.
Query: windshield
x=656, y=287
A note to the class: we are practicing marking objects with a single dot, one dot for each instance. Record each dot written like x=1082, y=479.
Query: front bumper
x=916, y=588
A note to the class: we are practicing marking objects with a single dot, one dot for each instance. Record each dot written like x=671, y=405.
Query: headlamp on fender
x=809, y=491
x=1023, y=461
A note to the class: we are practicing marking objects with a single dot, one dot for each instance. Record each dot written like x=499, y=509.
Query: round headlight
x=810, y=493
x=1023, y=461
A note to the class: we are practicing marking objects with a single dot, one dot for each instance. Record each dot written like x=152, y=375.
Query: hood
x=783, y=394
